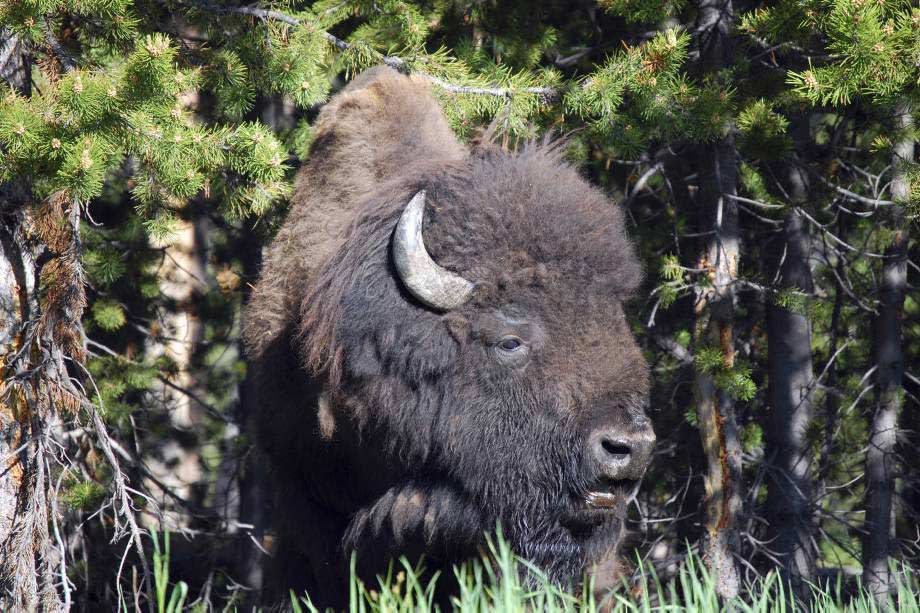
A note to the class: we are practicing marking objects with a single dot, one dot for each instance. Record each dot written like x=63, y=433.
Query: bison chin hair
x=462, y=501
x=415, y=519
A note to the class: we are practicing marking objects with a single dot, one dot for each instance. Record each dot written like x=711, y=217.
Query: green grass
x=167, y=601
x=511, y=585
x=498, y=587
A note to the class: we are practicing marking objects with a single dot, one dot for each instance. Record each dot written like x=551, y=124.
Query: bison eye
x=511, y=351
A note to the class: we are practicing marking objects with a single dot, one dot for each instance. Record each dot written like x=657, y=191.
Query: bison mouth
x=599, y=505
x=612, y=494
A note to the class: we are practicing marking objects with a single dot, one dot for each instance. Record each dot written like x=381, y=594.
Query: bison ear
x=458, y=326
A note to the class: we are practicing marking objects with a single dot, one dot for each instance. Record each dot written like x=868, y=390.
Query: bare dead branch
x=675, y=349
x=124, y=506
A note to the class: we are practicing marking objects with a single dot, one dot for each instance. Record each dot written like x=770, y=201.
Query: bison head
x=472, y=342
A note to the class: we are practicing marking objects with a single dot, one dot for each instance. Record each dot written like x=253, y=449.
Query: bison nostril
x=617, y=449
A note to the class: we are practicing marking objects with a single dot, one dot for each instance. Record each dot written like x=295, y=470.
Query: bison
x=437, y=346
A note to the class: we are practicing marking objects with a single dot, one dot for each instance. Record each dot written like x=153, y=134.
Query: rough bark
x=889, y=374
x=27, y=554
x=14, y=63
x=715, y=406
x=715, y=318
x=791, y=382
x=790, y=397
x=832, y=400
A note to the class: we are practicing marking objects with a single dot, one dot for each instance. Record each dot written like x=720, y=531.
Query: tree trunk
x=176, y=462
x=15, y=64
x=714, y=328
x=715, y=317
x=791, y=382
x=889, y=362
x=831, y=399
x=42, y=299
x=27, y=555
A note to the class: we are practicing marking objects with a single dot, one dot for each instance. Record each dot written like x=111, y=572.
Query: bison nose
x=621, y=455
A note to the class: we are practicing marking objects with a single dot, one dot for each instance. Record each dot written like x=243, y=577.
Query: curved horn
x=433, y=285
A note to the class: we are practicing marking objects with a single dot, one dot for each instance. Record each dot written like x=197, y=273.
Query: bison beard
x=398, y=417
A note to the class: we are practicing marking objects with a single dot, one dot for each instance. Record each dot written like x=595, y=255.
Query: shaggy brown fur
x=393, y=429
x=360, y=140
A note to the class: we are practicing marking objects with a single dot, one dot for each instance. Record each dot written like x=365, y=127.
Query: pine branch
x=68, y=62
x=548, y=94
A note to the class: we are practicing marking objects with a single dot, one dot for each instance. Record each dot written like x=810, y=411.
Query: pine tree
x=875, y=46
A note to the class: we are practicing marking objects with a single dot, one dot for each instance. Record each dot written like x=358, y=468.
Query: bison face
x=549, y=434
x=476, y=337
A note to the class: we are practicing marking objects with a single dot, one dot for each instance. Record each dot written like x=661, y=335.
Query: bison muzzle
x=437, y=346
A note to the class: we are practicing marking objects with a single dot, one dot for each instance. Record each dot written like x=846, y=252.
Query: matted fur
x=392, y=429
